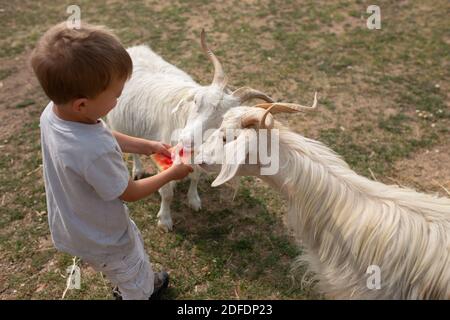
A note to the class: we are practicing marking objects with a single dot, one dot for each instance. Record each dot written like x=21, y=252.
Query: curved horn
x=219, y=76
x=263, y=119
x=267, y=115
x=247, y=93
x=279, y=107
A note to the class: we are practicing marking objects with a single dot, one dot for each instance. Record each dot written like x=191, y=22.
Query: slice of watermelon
x=163, y=162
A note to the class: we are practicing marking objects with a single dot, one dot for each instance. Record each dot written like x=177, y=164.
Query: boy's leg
x=138, y=281
x=135, y=281
x=133, y=275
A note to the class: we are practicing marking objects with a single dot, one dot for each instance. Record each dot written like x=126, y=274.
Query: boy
x=83, y=72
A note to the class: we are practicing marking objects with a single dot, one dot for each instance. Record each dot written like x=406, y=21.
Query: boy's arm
x=136, y=190
x=139, y=189
x=130, y=144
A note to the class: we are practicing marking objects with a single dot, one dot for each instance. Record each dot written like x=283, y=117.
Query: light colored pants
x=133, y=274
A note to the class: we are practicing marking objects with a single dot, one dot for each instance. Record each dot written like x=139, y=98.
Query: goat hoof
x=195, y=203
x=165, y=225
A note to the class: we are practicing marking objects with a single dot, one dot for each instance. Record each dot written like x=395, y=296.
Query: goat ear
x=227, y=172
x=235, y=154
x=174, y=110
x=185, y=99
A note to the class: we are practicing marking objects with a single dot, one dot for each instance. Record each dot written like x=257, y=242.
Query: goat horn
x=247, y=93
x=279, y=107
x=263, y=119
x=267, y=115
x=219, y=75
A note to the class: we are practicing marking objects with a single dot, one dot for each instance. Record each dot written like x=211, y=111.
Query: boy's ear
x=79, y=104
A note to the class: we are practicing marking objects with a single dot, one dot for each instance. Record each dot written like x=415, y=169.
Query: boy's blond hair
x=79, y=63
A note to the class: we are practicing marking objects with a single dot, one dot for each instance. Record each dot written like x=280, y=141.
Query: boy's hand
x=159, y=147
x=179, y=171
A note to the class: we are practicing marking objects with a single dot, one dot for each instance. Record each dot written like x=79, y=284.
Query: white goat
x=346, y=222
x=160, y=99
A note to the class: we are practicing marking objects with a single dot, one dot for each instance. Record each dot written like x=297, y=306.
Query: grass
x=4, y=73
x=382, y=95
x=215, y=246
x=24, y=104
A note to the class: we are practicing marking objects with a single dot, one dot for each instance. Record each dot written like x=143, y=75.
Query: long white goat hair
x=154, y=83
x=348, y=222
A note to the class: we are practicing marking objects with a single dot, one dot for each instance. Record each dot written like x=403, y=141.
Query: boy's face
x=100, y=106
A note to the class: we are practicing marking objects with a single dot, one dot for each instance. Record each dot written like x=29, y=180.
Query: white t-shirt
x=84, y=176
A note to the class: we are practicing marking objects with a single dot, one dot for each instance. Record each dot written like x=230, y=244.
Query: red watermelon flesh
x=163, y=162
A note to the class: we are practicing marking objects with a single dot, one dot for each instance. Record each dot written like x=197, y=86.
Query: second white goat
x=162, y=102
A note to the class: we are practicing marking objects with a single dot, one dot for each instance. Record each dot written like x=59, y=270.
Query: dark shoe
x=116, y=293
x=161, y=283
